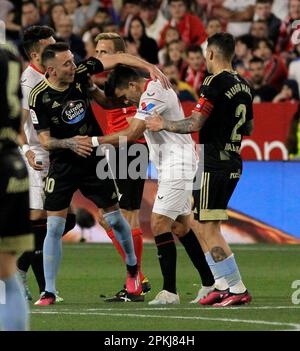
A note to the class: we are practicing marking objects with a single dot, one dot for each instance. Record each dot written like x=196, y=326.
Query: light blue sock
x=14, y=314
x=227, y=269
x=52, y=250
x=122, y=233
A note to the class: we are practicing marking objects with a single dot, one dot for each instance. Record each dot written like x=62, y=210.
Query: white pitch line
x=185, y=308
x=294, y=326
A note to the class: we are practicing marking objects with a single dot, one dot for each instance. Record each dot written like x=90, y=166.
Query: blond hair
x=118, y=41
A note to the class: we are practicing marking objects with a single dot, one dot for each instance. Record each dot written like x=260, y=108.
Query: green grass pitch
x=91, y=270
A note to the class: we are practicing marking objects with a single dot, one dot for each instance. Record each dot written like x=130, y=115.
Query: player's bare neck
x=55, y=83
x=222, y=66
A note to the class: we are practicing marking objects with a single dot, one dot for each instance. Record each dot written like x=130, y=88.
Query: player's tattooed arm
x=78, y=144
x=188, y=125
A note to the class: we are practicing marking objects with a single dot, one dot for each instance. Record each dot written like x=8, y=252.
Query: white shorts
x=36, y=186
x=173, y=202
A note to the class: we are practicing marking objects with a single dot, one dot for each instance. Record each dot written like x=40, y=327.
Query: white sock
x=238, y=288
x=221, y=284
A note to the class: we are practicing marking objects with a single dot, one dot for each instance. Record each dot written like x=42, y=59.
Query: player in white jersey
x=35, y=39
x=176, y=161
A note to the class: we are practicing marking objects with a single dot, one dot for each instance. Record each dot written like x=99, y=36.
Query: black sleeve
x=210, y=90
x=10, y=95
x=38, y=113
x=90, y=66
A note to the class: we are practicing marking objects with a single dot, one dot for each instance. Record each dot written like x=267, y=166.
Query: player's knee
x=114, y=219
x=179, y=229
x=7, y=265
x=160, y=224
x=55, y=226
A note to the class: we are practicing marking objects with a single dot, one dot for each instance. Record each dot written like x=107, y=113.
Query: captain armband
x=204, y=107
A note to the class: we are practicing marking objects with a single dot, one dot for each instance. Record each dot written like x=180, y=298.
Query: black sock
x=132, y=270
x=70, y=223
x=167, y=254
x=24, y=261
x=195, y=252
x=39, y=228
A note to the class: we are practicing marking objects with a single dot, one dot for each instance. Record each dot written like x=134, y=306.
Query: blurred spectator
x=43, y=6
x=275, y=70
x=30, y=14
x=184, y=91
x=293, y=138
x=213, y=26
x=131, y=8
x=175, y=55
x=71, y=6
x=153, y=18
x=85, y=12
x=280, y=8
x=204, y=8
x=171, y=34
x=261, y=92
x=243, y=55
x=289, y=92
x=147, y=47
x=263, y=11
x=110, y=27
x=196, y=69
x=284, y=43
x=294, y=67
x=237, y=13
x=56, y=11
x=190, y=27
x=64, y=28
x=259, y=29
x=9, y=14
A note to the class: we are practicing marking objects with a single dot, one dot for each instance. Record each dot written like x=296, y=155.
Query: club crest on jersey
x=146, y=108
x=74, y=111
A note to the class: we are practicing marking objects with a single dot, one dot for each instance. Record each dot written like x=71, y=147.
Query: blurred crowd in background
x=173, y=34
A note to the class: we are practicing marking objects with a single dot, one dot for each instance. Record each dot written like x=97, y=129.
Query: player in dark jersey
x=223, y=115
x=15, y=231
x=61, y=113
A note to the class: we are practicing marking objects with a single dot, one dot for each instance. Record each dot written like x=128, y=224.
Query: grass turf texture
x=91, y=270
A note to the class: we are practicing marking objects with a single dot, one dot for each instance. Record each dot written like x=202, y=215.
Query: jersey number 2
x=240, y=113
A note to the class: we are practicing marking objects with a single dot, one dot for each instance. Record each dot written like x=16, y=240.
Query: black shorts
x=218, y=179
x=64, y=178
x=131, y=190
x=15, y=230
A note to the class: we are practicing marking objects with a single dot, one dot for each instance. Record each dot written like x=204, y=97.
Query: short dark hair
x=33, y=35
x=246, y=39
x=264, y=2
x=52, y=49
x=29, y=2
x=268, y=43
x=120, y=78
x=224, y=42
x=256, y=60
x=194, y=48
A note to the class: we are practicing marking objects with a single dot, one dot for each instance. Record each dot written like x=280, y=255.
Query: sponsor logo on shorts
x=74, y=112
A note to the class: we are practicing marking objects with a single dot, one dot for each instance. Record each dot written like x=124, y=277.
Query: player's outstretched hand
x=156, y=73
x=154, y=123
x=81, y=145
x=30, y=155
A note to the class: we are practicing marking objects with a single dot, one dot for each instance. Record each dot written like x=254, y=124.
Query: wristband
x=92, y=88
x=95, y=141
x=25, y=148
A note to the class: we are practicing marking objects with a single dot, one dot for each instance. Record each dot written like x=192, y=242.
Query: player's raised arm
x=111, y=61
